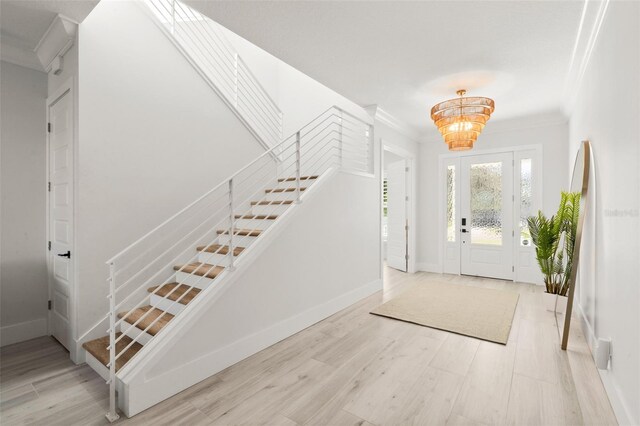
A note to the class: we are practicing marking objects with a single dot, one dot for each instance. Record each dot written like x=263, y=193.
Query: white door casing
x=397, y=215
x=60, y=216
x=486, y=216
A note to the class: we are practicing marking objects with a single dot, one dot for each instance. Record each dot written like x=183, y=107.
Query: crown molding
x=593, y=15
x=391, y=121
x=13, y=51
x=56, y=41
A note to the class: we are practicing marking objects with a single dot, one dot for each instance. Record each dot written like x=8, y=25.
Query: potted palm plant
x=554, y=239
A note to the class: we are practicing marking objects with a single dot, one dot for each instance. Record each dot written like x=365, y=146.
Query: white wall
x=153, y=137
x=607, y=114
x=299, y=97
x=23, y=271
x=324, y=259
x=550, y=131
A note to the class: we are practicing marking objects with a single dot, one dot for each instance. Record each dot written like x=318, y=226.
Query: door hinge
x=513, y=233
x=49, y=304
x=406, y=198
x=406, y=227
x=406, y=256
x=49, y=186
x=49, y=246
x=406, y=169
x=513, y=269
x=48, y=127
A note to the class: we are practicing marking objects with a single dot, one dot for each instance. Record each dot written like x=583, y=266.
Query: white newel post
x=112, y=415
x=231, y=224
x=298, y=167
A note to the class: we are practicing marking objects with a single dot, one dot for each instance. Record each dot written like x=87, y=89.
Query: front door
x=61, y=217
x=397, y=215
x=486, y=215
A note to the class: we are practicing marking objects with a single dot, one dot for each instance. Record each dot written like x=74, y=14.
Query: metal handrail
x=202, y=40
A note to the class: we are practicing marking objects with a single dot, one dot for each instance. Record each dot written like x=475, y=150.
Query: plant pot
x=550, y=301
x=561, y=304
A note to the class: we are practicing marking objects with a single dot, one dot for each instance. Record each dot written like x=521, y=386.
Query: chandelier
x=461, y=120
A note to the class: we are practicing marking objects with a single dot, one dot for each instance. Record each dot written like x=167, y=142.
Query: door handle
x=464, y=231
x=67, y=255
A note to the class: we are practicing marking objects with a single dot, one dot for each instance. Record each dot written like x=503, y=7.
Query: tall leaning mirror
x=579, y=185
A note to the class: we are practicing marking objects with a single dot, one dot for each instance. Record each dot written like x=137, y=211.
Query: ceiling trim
x=56, y=41
x=23, y=57
x=590, y=23
x=393, y=122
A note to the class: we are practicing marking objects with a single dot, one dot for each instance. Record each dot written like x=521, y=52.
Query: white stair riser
x=293, y=184
x=214, y=258
x=280, y=196
x=135, y=333
x=166, y=305
x=269, y=209
x=261, y=224
x=238, y=240
x=194, y=280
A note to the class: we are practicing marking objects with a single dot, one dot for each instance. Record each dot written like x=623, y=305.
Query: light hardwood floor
x=353, y=368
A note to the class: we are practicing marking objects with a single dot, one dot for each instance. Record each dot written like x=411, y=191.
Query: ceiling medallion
x=461, y=120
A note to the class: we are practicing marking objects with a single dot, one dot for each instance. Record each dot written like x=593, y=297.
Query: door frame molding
x=66, y=88
x=410, y=158
x=538, y=148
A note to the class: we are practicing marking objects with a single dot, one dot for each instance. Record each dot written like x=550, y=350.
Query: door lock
x=67, y=255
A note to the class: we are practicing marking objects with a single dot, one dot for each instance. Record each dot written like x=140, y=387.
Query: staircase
x=153, y=282
x=138, y=326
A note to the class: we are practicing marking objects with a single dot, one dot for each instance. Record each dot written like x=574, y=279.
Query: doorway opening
x=398, y=233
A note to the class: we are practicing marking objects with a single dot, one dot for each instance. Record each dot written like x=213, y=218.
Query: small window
x=526, y=197
x=385, y=229
x=451, y=203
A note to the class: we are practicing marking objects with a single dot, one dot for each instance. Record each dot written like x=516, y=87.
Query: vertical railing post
x=236, y=88
x=112, y=415
x=370, y=149
x=340, y=142
x=173, y=16
x=298, y=167
x=231, y=225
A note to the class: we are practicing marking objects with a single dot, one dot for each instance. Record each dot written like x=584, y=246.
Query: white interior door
x=486, y=216
x=61, y=216
x=397, y=215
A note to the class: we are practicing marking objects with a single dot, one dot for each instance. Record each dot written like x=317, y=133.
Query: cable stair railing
x=153, y=280
x=204, y=44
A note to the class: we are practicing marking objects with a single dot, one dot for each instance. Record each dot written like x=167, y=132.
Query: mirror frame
x=586, y=156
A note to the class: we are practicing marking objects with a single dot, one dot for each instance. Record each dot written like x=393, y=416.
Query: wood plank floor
x=350, y=369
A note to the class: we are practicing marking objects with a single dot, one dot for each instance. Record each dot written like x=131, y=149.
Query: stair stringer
x=190, y=349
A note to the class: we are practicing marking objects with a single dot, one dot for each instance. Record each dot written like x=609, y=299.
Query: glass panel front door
x=486, y=215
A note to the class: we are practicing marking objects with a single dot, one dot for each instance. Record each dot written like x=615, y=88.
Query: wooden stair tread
x=257, y=216
x=274, y=203
x=242, y=232
x=291, y=179
x=98, y=348
x=201, y=269
x=276, y=190
x=167, y=291
x=133, y=316
x=220, y=249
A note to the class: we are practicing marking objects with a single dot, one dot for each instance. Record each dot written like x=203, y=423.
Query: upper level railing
x=333, y=140
x=202, y=41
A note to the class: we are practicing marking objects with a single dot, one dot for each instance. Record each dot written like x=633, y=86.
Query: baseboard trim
x=174, y=381
x=620, y=407
x=429, y=267
x=22, y=331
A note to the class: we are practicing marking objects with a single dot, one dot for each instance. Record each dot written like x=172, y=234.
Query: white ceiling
x=24, y=22
x=407, y=56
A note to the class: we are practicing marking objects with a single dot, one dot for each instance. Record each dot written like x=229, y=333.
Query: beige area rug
x=477, y=312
